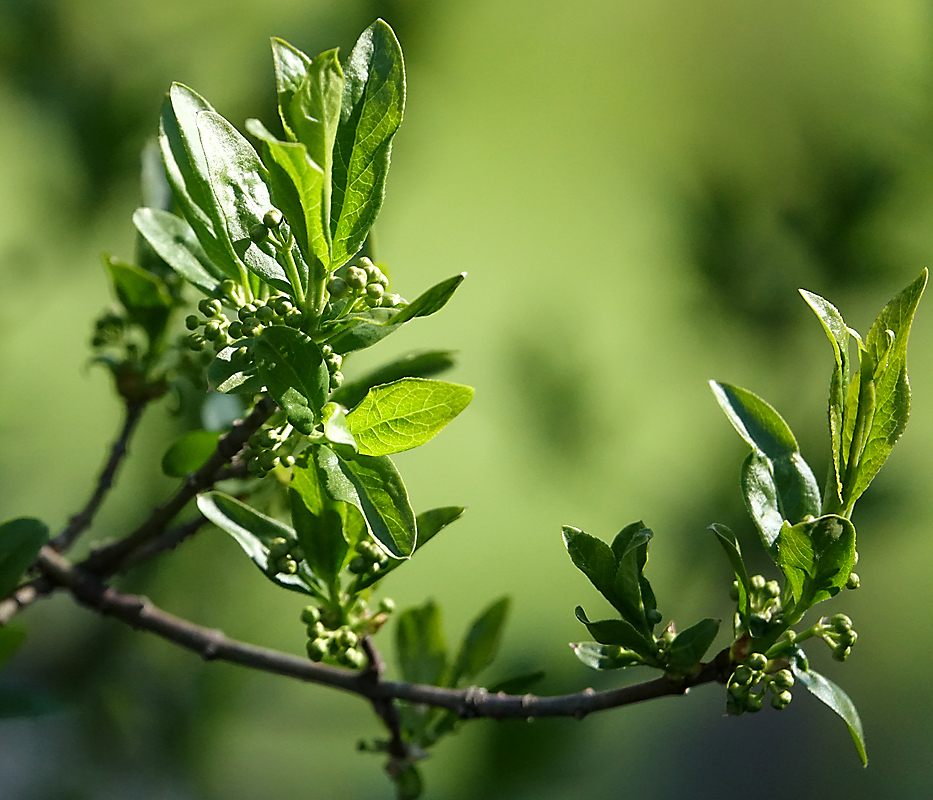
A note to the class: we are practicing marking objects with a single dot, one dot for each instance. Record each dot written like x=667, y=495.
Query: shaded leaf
x=827, y=692
x=480, y=643
x=420, y=643
x=175, y=242
x=619, y=632
x=145, y=296
x=291, y=66
x=605, y=656
x=320, y=534
x=226, y=374
x=189, y=453
x=730, y=545
x=20, y=542
x=689, y=646
x=594, y=558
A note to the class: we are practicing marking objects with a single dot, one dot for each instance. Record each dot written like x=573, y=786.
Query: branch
x=114, y=557
x=80, y=521
x=210, y=644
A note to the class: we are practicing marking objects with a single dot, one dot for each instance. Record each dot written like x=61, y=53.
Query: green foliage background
x=636, y=190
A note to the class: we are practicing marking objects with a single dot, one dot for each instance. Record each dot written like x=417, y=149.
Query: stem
x=291, y=271
x=82, y=520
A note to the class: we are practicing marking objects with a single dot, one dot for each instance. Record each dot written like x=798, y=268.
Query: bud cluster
x=370, y=559
x=271, y=447
x=364, y=282
x=220, y=332
x=751, y=681
x=336, y=638
x=109, y=329
x=764, y=598
x=284, y=556
x=838, y=634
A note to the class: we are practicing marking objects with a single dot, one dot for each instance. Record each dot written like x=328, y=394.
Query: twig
x=167, y=541
x=81, y=521
x=399, y=756
x=112, y=558
x=210, y=644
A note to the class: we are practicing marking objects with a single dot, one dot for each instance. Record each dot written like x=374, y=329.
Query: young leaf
x=20, y=542
x=175, y=242
x=320, y=534
x=816, y=557
x=292, y=367
x=886, y=346
x=431, y=301
x=605, y=656
x=761, y=498
x=594, y=558
x=413, y=365
x=405, y=414
x=480, y=643
x=689, y=646
x=336, y=428
x=291, y=66
x=359, y=331
x=422, y=650
x=226, y=374
x=189, y=453
x=254, y=532
x=144, y=296
x=238, y=182
x=795, y=557
x=618, y=632
x=730, y=545
x=371, y=111
x=827, y=692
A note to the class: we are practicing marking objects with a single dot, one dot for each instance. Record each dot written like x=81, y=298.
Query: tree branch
x=210, y=644
x=133, y=411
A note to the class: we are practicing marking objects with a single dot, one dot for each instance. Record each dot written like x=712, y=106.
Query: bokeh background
x=636, y=190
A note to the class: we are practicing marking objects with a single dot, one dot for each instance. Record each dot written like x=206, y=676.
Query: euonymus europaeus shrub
x=265, y=250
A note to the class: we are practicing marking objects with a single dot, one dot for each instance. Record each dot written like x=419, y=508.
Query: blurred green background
x=636, y=190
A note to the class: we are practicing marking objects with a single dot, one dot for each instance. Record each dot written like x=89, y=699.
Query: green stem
x=291, y=271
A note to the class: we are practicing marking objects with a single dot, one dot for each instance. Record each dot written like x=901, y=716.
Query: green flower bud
x=652, y=616
x=734, y=592
x=235, y=330
x=316, y=630
x=289, y=566
x=259, y=233
x=251, y=327
x=790, y=636
x=282, y=305
x=783, y=679
x=356, y=278
x=337, y=288
x=278, y=547
x=195, y=342
x=353, y=658
x=334, y=361
x=386, y=605
x=391, y=300
x=754, y=702
x=848, y=638
x=267, y=459
x=212, y=331
x=229, y=288
x=286, y=461
x=209, y=307
x=265, y=314
x=347, y=638
x=374, y=291
x=272, y=218
x=336, y=379
x=757, y=582
x=772, y=589
x=841, y=652
x=326, y=350
x=253, y=467
x=853, y=582
x=757, y=661
x=358, y=565
x=317, y=649
x=742, y=675
x=310, y=615
x=192, y=323
x=781, y=700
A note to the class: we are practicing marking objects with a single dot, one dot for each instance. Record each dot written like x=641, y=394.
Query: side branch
x=79, y=522
x=210, y=644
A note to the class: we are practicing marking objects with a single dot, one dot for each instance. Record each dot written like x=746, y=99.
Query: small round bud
x=841, y=653
x=386, y=605
x=334, y=361
x=853, y=582
x=782, y=679
x=317, y=649
x=358, y=565
x=272, y=218
x=353, y=658
x=195, y=342
x=757, y=661
x=278, y=546
x=212, y=331
x=737, y=690
x=235, y=330
x=192, y=323
x=772, y=588
x=264, y=314
x=391, y=300
x=347, y=638
x=757, y=582
x=790, y=636
x=781, y=700
x=259, y=233
x=848, y=638
x=840, y=623
x=652, y=616
x=282, y=305
x=356, y=278
x=742, y=675
x=336, y=379
x=286, y=461
x=209, y=307
x=734, y=592
x=310, y=615
x=228, y=287
x=267, y=459
x=754, y=702
x=316, y=630
x=253, y=467
x=374, y=291
x=337, y=288
x=289, y=566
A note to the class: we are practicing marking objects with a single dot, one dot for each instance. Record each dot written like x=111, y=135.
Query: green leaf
x=795, y=557
x=630, y=549
x=12, y=638
x=730, y=544
x=254, y=532
x=605, y=656
x=689, y=646
x=817, y=557
x=320, y=534
x=176, y=243
x=336, y=428
x=145, y=296
x=238, y=182
x=405, y=414
x=189, y=453
x=413, y=365
x=827, y=692
x=428, y=524
x=594, y=558
x=291, y=66
x=409, y=785
x=371, y=111
x=769, y=436
x=292, y=367
x=886, y=346
x=480, y=643
x=359, y=331
x=619, y=632
x=838, y=333
x=422, y=650
x=373, y=485
x=761, y=498
x=431, y=301
x=225, y=374
x=20, y=542
x=187, y=174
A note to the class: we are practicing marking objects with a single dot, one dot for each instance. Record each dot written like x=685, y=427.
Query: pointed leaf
x=189, y=453
x=423, y=364
x=291, y=66
x=594, y=558
x=432, y=301
x=320, y=535
x=689, y=646
x=619, y=632
x=730, y=545
x=145, y=296
x=761, y=498
x=175, y=242
x=422, y=649
x=20, y=542
x=227, y=374
x=359, y=331
x=405, y=414
x=371, y=111
x=481, y=643
x=827, y=692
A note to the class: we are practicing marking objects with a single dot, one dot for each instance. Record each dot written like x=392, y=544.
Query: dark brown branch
x=133, y=412
x=399, y=755
x=166, y=541
x=113, y=558
x=467, y=703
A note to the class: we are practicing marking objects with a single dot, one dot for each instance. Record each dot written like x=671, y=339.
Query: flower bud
x=286, y=461
x=310, y=615
x=282, y=305
x=336, y=379
x=347, y=638
x=259, y=233
x=853, y=582
x=356, y=278
x=772, y=588
x=781, y=700
x=316, y=630
x=209, y=307
x=293, y=319
x=757, y=661
x=374, y=291
x=841, y=653
x=289, y=566
x=235, y=330
x=317, y=649
x=757, y=582
x=278, y=546
x=734, y=592
x=264, y=314
x=272, y=218
x=754, y=702
x=391, y=300
x=337, y=288
x=192, y=323
x=742, y=675
x=386, y=605
x=353, y=658
x=652, y=616
x=212, y=331
x=783, y=679
x=358, y=565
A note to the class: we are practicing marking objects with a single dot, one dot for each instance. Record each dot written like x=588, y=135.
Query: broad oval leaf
x=20, y=542
x=225, y=374
x=480, y=643
x=761, y=498
x=756, y=421
x=189, y=453
x=827, y=692
x=320, y=534
x=405, y=414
